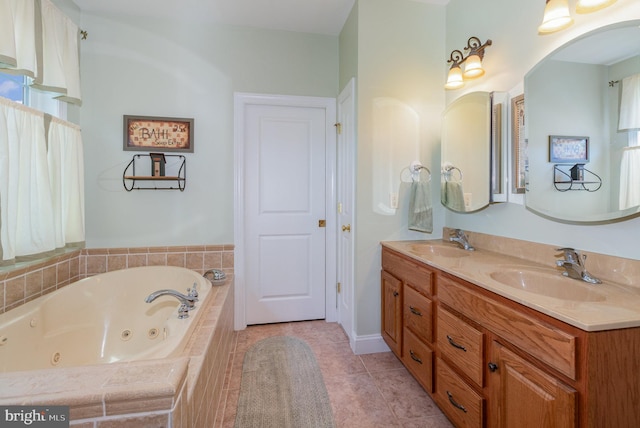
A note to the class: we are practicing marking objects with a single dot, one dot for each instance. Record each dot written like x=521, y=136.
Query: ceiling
x=309, y=16
x=603, y=47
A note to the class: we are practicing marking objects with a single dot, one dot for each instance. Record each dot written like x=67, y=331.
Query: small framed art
x=158, y=134
x=564, y=149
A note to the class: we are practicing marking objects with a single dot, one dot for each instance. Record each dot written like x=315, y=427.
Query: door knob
x=346, y=228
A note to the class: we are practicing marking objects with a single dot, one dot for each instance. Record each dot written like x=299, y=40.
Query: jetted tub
x=102, y=319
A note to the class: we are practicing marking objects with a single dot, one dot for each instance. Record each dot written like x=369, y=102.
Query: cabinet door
x=392, y=312
x=524, y=396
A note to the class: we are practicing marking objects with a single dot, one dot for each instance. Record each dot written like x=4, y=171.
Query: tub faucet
x=574, y=265
x=186, y=302
x=459, y=237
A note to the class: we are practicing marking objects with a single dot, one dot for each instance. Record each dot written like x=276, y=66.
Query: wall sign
x=164, y=134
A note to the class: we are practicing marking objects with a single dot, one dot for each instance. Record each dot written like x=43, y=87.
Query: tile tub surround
x=619, y=308
x=181, y=392
x=22, y=284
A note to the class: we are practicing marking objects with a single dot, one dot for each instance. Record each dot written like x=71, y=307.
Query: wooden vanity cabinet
x=496, y=363
x=392, y=312
x=525, y=396
x=408, y=328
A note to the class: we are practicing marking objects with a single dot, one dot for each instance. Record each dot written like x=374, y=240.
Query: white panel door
x=284, y=203
x=345, y=197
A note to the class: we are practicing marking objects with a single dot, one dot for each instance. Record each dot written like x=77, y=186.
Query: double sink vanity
x=500, y=338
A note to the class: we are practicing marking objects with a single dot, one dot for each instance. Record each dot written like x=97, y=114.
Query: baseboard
x=368, y=344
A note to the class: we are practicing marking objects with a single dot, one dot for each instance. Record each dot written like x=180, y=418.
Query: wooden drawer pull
x=414, y=357
x=454, y=344
x=415, y=311
x=452, y=401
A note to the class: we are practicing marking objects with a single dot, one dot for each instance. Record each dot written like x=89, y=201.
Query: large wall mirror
x=581, y=155
x=473, y=152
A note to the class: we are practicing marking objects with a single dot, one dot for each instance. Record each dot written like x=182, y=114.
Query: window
x=13, y=87
x=17, y=89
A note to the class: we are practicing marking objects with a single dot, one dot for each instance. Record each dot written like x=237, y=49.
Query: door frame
x=348, y=138
x=241, y=100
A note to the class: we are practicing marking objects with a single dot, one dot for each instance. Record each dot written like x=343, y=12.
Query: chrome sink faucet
x=187, y=302
x=574, y=265
x=459, y=237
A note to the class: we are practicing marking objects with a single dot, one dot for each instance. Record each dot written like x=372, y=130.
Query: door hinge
x=338, y=128
x=339, y=207
x=338, y=287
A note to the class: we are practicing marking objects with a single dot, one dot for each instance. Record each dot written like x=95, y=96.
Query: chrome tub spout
x=187, y=302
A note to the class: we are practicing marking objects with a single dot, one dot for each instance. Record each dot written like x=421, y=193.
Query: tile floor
x=366, y=391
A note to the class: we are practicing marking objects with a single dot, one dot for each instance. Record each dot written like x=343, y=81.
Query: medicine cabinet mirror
x=576, y=91
x=473, y=151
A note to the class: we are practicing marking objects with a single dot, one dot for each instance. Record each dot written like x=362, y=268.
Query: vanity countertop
x=590, y=307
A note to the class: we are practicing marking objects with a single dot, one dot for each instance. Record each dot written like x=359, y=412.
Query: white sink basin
x=549, y=284
x=438, y=250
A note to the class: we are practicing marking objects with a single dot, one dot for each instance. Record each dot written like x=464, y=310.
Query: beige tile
x=228, y=260
x=176, y=259
x=381, y=361
x=116, y=262
x=63, y=271
x=157, y=259
x=96, y=264
x=34, y=281
x=195, y=261
x=212, y=260
x=14, y=291
x=356, y=402
x=136, y=260
x=427, y=422
x=146, y=421
x=404, y=395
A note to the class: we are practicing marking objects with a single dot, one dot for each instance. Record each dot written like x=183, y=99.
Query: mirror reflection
x=583, y=121
x=472, y=152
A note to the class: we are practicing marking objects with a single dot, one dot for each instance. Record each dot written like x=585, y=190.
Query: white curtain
x=630, y=121
x=18, y=36
x=59, y=70
x=630, y=103
x=41, y=191
x=66, y=175
x=39, y=41
x=630, y=178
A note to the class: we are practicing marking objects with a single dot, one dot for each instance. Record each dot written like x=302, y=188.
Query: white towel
x=420, y=209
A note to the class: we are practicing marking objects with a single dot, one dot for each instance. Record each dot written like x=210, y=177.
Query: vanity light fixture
x=472, y=63
x=558, y=17
x=588, y=6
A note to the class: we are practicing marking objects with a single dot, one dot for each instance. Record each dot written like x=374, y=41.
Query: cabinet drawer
x=544, y=341
x=418, y=358
x=409, y=271
x=418, y=314
x=462, y=344
x=458, y=400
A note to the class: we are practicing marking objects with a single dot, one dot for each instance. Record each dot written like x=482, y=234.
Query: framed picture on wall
x=158, y=134
x=568, y=149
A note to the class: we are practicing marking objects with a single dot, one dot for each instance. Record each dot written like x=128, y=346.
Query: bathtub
x=101, y=319
x=98, y=347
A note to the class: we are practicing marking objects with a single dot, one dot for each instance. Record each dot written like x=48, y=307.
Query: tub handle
x=193, y=291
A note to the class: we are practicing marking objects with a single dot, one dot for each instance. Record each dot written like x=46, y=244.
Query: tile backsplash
x=22, y=284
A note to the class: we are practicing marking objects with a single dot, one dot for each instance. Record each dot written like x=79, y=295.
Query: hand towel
x=452, y=195
x=420, y=210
